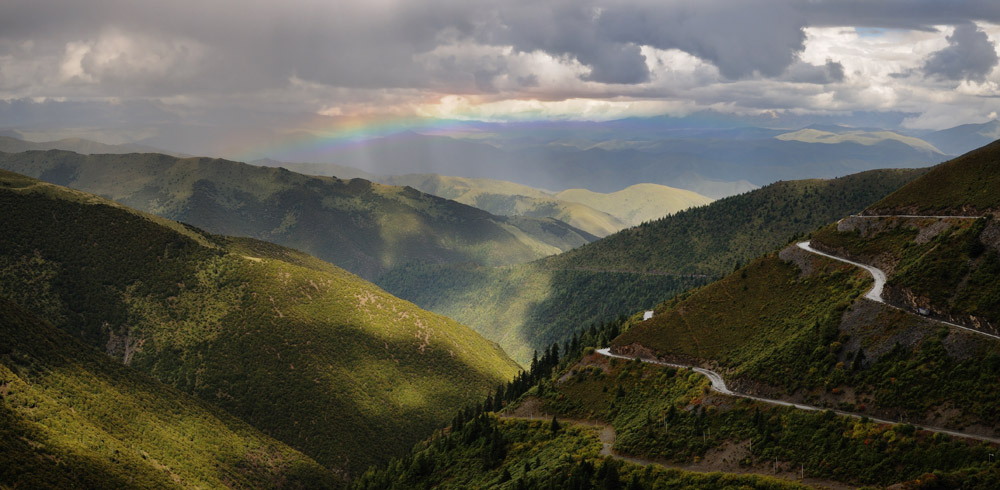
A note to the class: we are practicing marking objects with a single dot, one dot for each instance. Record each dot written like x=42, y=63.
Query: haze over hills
x=604, y=157
x=964, y=138
x=306, y=352
x=364, y=227
x=529, y=306
x=12, y=144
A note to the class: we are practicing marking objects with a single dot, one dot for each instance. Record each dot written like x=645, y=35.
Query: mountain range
x=365, y=227
x=303, y=351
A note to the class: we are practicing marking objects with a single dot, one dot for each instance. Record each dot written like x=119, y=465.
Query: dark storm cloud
x=970, y=55
x=800, y=72
x=188, y=47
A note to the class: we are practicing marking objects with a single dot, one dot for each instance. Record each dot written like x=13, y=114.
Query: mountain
x=638, y=203
x=812, y=135
x=321, y=169
x=306, y=352
x=790, y=324
x=529, y=306
x=964, y=138
x=11, y=144
x=711, y=239
x=510, y=199
x=597, y=213
x=967, y=185
x=71, y=417
x=366, y=228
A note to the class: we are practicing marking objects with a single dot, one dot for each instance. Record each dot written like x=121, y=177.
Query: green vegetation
x=967, y=185
x=948, y=267
x=364, y=227
x=527, y=307
x=70, y=417
x=793, y=328
x=516, y=454
x=710, y=239
x=663, y=413
x=304, y=351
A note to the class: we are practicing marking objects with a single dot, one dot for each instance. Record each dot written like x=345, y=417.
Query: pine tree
x=554, y=427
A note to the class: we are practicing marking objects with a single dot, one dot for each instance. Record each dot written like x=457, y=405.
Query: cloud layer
x=512, y=58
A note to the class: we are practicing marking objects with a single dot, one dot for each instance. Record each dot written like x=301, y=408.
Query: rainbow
x=328, y=135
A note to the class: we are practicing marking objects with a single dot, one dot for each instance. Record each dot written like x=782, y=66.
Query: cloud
x=801, y=72
x=970, y=55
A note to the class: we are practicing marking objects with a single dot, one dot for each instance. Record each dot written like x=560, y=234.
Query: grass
x=966, y=185
x=72, y=417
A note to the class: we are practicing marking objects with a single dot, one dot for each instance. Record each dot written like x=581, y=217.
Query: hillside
x=638, y=203
x=510, y=199
x=71, y=417
x=711, y=239
x=364, y=227
x=967, y=185
x=791, y=323
x=529, y=306
x=298, y=348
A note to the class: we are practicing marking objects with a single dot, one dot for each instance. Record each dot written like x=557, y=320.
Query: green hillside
x=366, y=228
x=792, y=325
x=304, y=351
x=71, y=417
x=527, y=307
x=509, y=199
x=967, y=185
x=733, y=230
x=637, y=203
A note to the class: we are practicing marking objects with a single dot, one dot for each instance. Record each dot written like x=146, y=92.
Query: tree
x=554, y=427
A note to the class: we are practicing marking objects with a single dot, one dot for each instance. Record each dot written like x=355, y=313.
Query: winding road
x=875, y=294
x=718, y=385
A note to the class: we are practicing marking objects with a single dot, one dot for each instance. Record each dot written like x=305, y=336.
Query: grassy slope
x=364, y=227
x=70, y=417
x=711, y=239
x=776, y=329
x=638, y=203
x=510, y=199
x=969, y=184
x=305, y=351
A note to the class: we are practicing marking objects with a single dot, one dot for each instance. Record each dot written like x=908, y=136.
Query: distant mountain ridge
x=11, y=144
x=365, y=227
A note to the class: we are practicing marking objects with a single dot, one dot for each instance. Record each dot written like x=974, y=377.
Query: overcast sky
x=253, y=62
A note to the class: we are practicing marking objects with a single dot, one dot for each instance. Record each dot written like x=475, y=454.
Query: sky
x=131, y=70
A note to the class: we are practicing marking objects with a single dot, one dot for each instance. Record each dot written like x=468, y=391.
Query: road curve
x=875, y=294
x=718, y=385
